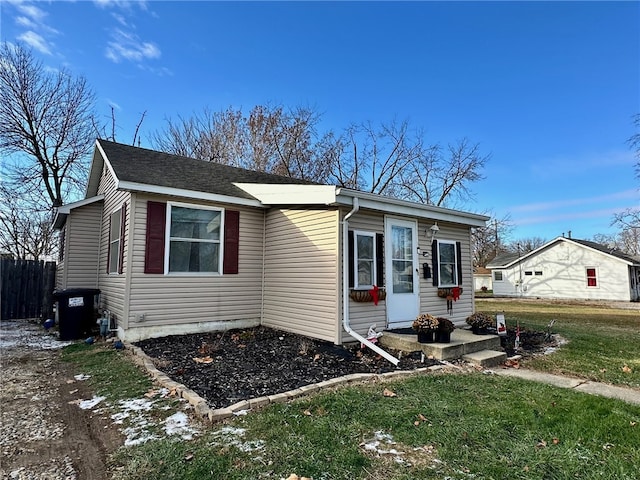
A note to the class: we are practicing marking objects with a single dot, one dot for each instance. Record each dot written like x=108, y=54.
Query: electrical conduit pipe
x=345, y=288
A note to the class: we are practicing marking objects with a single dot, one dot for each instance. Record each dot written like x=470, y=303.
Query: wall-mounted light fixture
x=434, y=230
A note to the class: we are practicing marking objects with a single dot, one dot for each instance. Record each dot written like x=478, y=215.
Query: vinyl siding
x=169, y=300
x=429, y=300
x=112, y=285
x=301, y=276
x=82, y=246
x=364, y=314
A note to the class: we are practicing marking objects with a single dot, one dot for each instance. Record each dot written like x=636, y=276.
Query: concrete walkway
x=594, y=388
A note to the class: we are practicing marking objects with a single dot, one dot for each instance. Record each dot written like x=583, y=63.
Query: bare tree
x=110, y=134
x=45, y=124
x=440, y=177
x=268, y=139
x=526, y=244
x=630, y=217
x=26, y=230
x=489, y=241
x=371, y=158
x=388, y=159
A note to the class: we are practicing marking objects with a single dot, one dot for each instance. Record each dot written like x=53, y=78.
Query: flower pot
x=479, y=330
x=442, y=337
x=425, y=337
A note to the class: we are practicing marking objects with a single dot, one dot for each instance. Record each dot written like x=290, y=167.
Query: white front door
x=401, y=265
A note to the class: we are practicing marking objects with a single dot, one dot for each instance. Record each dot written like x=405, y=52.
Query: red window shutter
x=123, y=222
x=231, y=241
x=154, y=248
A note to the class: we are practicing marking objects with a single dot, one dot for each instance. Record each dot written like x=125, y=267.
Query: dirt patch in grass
x=227, y=367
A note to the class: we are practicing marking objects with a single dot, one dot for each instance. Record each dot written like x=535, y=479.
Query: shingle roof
x=607, y=250
x=505, y=259
x=143, y=166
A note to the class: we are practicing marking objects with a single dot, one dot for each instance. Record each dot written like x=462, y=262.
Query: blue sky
x=548, y=88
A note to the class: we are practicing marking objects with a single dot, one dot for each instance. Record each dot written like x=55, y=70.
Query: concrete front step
x=485, y=358
x=463, y=342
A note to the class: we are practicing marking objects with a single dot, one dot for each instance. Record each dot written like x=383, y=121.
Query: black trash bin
x=76, y=312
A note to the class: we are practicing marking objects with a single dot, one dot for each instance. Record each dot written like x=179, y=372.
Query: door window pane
x=402, y=261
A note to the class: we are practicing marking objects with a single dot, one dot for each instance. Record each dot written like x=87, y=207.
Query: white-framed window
x=447, y=263
x=592, y=276
x=194, y=243
x=115, y=237
x=497, y=276
x=364, y=259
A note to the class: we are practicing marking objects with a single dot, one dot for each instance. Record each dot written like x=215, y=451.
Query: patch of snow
x=82, y=377
x=89, y=404
x=241, y=412
x=229, y=437
x=178, y=424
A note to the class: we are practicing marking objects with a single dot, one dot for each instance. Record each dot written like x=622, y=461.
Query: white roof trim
x=80, y=203
x=64, y=210
x=393, y=205
x=179, y=192
x=290, y=194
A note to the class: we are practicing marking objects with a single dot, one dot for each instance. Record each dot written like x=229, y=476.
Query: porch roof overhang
x=370, y=201
x=63, y=211
x=330, y=195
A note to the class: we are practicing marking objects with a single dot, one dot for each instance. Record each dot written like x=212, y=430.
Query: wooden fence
x=27, y=288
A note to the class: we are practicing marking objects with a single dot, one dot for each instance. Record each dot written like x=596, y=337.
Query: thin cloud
x=546, y=219
x=37, y=32
x=35, y=41
x=128, y=46
x=542, y=206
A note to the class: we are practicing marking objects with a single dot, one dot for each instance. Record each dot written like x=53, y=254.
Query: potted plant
x=480, y=323
x=443, y=332
x=425, y=325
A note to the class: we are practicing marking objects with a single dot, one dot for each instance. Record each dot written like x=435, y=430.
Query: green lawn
x=448, y=426
x=601, y=341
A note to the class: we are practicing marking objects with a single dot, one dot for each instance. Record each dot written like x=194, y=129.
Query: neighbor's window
x=447, y=264
x=528, y=273
x=364, y=258
x=538, y=273
x=194, y=239
x=592, y=279
x=497, y=276
x=114, y=241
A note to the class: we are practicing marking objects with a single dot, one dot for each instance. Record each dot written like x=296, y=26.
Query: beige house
x=178, y=245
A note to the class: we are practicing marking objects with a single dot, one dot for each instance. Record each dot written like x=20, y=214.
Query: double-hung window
x=194, y=239
x=447, y=263
x=115, y=237
x=592, y=277
x=364, y=259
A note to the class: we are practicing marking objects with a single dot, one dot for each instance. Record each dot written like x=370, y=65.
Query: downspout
x=345, y=288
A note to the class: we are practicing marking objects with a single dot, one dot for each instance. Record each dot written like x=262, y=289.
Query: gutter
x=345, y=288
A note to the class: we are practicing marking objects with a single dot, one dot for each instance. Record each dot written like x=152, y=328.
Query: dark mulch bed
x=531, y=342
x=250, y=363
x=260, y=361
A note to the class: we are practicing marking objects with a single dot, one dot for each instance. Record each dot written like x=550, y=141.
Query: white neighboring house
x=568, y=268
